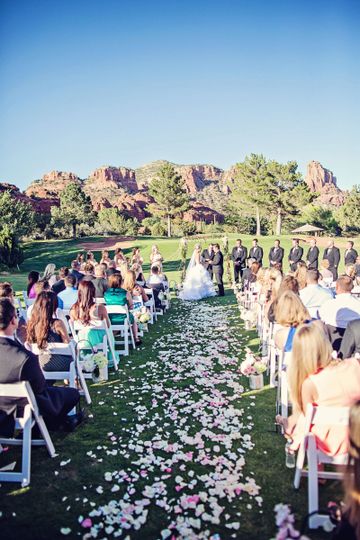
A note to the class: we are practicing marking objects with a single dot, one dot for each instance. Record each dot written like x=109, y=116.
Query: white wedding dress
x=197, y=284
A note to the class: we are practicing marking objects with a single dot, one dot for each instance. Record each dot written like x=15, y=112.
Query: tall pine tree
x=249, y=188
x=169, y=191
x=75, y=208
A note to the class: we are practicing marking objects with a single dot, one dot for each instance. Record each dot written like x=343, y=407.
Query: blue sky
x=121, y=82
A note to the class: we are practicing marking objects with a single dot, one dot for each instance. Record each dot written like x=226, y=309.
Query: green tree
x=320, y=216
x=348, y=215
x=287, y=191
x=75, y=208
x=17, y=219
x=249, y=188
x=169, y=191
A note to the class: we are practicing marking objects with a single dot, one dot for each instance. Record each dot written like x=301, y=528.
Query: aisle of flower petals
x=186, y=441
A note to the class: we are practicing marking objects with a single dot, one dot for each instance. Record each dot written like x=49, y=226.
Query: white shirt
x=341, y=310
x=68, y=297
x=313, y=297
x=154, y=279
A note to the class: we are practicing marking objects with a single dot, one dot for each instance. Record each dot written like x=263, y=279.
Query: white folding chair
x=22, y=390
x=318, y=416
x=76, y=326
x=28, y=301
x=75, y=371
x=151, y=304
x=125, y=329
x=282, y=396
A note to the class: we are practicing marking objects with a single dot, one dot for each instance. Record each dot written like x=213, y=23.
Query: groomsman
x=295, y=254
x=218, y=268
x=312, y=257
x=332, y=254
x=238, y=257
x=276, y=254
x=350, y=253
x=208, y=255
x=256, y=252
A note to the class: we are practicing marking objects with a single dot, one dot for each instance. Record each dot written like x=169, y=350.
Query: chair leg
x=45, y=435
x=313, y=486
x=26, y=447
x=84, y=385
x=72, y=382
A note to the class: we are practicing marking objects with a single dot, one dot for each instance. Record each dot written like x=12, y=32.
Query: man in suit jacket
x=256, y=252
x=218, y=268
x=295, y=254
x=208, y=255
x=238, y=257
x=350, y=253
x=276, y=254
x=350, y=344
x=312, y=257
x=18, y=364
x=332, y=254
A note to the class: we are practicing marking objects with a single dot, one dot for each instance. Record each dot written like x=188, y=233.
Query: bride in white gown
x=197, y=284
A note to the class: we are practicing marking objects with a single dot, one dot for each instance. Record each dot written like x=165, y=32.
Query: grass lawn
x=61, y=252
x=58, y=495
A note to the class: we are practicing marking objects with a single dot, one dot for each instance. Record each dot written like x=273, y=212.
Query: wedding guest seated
x=89, y=270
x=349, y=526
x=68, y=297
x=247, y=271
x=131, y=286
x=262, y=284
x=300, y=274
x=116, y=295
x=111, y=269
x=316, y=378
x=356, y=289
x=19, y=364
x=105, y=259
x=6, y=291
x=138, y=273
x=39, y=287
x=339, y=311
x=75, y=271
x=49, y=274
x=350, y=271
x=288, y=283
x=156, y=257
x=119, y=258
x=89, y=314
x=326, y=275
x=350, y=344
x=290, y=313
x=59, y=285
x=100, y=281
x=155, y=277
x=33, y=277
x=251, y=276
x=44, y=328
x=313, y=296
x=357, y=267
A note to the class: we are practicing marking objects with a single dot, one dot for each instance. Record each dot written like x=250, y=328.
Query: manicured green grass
x=59, y=495
x=61, y=252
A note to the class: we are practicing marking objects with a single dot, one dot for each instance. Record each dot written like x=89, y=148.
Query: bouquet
x=249, y=316
x=142, y=318
x=93, y=363
x=252, y=365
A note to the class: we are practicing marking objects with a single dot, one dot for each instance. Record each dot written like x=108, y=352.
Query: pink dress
x=337, y=386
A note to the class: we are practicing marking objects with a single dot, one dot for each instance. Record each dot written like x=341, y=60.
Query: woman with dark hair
x=89, y=314
x=118, y=296
x=43, y=328
x=33, y=277
x=288, y=283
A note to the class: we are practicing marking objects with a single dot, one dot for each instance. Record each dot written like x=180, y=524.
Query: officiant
x=238, y=257
x=207, y=256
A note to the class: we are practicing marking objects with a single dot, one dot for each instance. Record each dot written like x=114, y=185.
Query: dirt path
x=110, y=243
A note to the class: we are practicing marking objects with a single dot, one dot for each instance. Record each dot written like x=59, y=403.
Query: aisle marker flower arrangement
x=96, y=364
x=253, y=367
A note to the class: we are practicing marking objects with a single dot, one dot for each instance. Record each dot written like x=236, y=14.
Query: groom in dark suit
x=18, y=364
x=218, y=268
x=238, y=257
x=276, y=254
x=208, y=255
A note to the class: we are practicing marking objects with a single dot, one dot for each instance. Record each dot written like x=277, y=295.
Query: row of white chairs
x=75, y=376
x=310, y=459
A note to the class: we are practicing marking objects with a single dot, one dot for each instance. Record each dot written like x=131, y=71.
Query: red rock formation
x=113, y=177
x=51, y=184
x=196, y=177
x=323, y=181
x=199, y=212
x=41, y=206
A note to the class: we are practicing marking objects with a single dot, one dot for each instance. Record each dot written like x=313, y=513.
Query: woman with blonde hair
x=290, y=312
x=349, y=528
x=156, y=257
x=49, y=274
x=138, y=274
x=132, y=287
x=314, y=377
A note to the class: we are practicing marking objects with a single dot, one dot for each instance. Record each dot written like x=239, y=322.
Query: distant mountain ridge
x=127, y=189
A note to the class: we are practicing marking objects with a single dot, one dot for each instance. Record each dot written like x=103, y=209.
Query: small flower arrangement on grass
x=285, y=522
x=253, y=367
x=95, y=364
x=249, y=316
x=142, y=318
